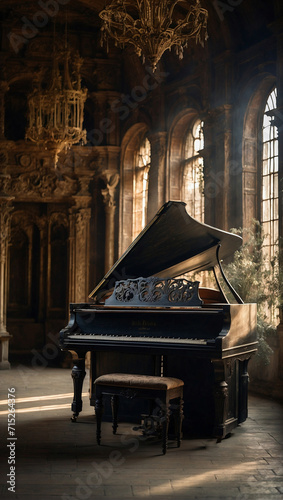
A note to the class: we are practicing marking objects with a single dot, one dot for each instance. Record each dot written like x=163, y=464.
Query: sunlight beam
x=41, y=398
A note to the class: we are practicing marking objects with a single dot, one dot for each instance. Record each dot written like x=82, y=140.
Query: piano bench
x=160, y=390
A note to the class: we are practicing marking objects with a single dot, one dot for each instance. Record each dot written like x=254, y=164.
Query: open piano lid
x=172, y=243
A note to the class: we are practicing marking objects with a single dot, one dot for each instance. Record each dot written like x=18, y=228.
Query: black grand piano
x=145, y=317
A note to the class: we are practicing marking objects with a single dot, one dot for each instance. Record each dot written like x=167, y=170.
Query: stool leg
x=98, y=413
x=178, y=418
x=115, y=407
x=165, y=425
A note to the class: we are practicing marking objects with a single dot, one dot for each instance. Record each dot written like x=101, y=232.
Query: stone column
x=157, y=172
x=79, y=240
x=218, y=191
x=106, y=123
x=111, y=180
x=208, y=154
x=5, y=218
x=223, y=191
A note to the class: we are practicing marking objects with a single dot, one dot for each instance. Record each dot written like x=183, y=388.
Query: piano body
x=144, y=318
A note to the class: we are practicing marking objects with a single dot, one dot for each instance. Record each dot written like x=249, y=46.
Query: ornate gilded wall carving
x=42, y=183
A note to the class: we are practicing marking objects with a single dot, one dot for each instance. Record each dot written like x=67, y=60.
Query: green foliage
x=257, y=279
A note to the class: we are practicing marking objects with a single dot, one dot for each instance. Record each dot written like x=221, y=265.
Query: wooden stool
x=161, y=389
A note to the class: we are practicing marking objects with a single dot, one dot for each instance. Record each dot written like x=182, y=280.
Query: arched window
x=260, y=178
x=140, y=188
x=193, y=178
x=269, y=179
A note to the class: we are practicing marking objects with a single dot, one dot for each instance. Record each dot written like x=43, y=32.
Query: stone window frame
x=270, y=156
x=253, y=158
x=129, y=148
x=140, y=188
x=252, y=152
x=192, y=161
x=184, y=121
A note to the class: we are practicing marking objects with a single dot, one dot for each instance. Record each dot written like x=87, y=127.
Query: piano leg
x=78, y=375
x=221, y=393
x=230, y=394
x=243, y=391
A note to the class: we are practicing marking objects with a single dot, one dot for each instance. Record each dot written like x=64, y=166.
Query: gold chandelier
x=148, y=25
x=56, y=112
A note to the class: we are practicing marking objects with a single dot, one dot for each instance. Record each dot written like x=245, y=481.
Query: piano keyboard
x=130, y=338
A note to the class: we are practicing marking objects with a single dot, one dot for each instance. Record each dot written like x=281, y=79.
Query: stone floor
x=57, y=459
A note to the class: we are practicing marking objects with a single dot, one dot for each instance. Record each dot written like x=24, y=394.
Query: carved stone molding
x=59, y=218
x=5, y=219
x=24, y=219
x=4, y=184
x=84, y=186
x=25, y=160
x=3, y=158
x=111, y=180
x=82, y=221
x=81, y=202
x=41, y=183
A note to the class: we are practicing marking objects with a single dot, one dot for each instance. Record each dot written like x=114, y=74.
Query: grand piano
x=146, y=317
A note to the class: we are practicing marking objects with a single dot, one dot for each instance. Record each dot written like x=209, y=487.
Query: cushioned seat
x=146, y=381
x=163, y=390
